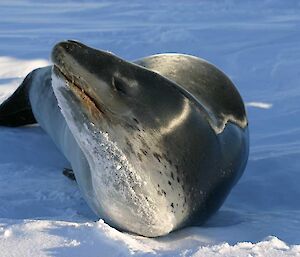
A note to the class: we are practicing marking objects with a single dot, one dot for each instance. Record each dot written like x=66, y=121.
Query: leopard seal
x=155, y=144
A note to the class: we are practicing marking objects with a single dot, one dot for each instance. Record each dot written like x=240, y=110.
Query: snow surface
x=257, y=43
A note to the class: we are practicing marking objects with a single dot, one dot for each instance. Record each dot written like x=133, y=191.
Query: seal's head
x=148, y=142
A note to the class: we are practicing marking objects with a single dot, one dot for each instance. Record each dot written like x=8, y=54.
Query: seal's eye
x=119, y=86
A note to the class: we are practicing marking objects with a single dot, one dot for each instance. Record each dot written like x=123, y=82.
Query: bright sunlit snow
x=257, y=43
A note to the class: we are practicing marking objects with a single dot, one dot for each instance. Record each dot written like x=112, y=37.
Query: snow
x=256, y=43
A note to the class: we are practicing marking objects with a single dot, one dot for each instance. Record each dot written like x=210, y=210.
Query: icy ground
x=257, y=43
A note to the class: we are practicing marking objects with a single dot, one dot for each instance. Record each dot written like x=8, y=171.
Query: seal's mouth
x=94, y=107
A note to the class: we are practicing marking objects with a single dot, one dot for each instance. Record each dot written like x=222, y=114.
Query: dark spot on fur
x=179, y=194
x=178, y=180
x=172, y=175
x=157, y=156
x=169, y=182
x=137, y=122
x=160, y=173
x=144, y=152
x=172, y=205
x=177, y=204
x=164, y=192
x=158, y=185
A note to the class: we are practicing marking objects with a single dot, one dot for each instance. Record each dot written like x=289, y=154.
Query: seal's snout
x=57, y=52
x=60, y=49
x=65, y=47
x=65, y=54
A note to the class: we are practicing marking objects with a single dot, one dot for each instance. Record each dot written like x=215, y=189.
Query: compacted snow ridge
x=257, y=43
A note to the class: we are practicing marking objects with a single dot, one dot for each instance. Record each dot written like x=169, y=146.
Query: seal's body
x=155, y=145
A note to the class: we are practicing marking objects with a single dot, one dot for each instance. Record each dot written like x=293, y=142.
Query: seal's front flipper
x=16, y=110
x=69, y=174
